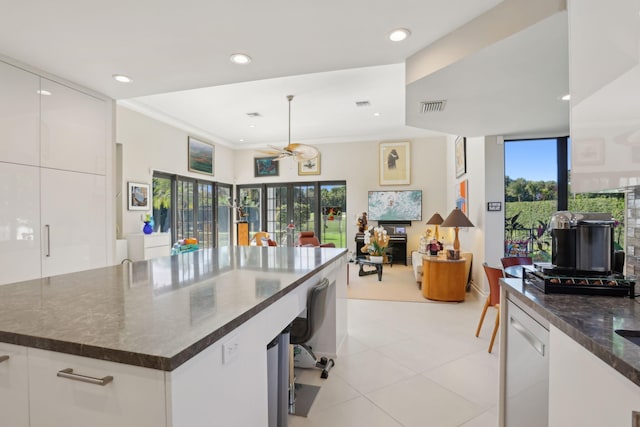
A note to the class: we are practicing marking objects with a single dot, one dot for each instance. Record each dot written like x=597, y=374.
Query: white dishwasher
x=527, y=369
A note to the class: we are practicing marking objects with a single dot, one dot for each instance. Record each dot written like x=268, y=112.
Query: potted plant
x=376, y=242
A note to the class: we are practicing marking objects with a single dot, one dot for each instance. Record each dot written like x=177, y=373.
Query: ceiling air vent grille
x=363, y=104
x=432, y=106
x=253, y=114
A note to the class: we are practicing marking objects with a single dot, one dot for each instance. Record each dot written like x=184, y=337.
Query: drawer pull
x=4, y=358
x=68, y=373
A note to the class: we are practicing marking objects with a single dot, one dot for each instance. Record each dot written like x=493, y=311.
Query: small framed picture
x=265, y=166
x=461, y=156
x=309, y=167
x=139, y=196
x=395, y=163
x=201, y=156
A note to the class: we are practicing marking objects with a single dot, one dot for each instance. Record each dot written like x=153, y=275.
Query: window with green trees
x=537, y=184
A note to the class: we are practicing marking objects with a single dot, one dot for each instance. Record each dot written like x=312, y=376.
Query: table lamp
x=436, y=220
x=456, y=219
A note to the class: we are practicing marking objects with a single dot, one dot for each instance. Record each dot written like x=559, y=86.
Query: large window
x=285, y=209
x=537, y=184
x=187, y=207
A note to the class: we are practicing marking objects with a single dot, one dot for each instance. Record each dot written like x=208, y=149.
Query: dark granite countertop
x=158, y=313
x=591, y=321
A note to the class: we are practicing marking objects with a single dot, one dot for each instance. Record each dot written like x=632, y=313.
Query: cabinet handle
x=535, y=342
x=4, y=358
x=48, y=227
x=68, y=373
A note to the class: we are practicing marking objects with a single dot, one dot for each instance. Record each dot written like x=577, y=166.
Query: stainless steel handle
x=48, y=227
x=531, y=339
x=68, y=373
x=4, y=358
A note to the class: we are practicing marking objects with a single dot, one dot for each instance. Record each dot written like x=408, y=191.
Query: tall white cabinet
x=53, y=177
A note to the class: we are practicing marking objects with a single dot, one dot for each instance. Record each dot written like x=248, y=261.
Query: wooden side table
x=443, y=279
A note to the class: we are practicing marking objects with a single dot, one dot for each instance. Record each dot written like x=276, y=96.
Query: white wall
x=357, y=164
x=149, y=145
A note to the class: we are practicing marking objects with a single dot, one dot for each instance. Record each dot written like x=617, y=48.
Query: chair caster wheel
x=323, y=360
x=324, y=374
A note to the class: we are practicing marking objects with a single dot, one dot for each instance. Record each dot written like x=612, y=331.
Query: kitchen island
x=593, y=373
x=183, y=337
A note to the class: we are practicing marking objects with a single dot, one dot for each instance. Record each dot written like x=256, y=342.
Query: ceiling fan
x=298, y=152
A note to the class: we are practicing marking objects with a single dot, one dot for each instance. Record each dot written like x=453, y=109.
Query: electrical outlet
x=230, y=349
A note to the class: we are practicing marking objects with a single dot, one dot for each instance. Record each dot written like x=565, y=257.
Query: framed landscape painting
x=395, y=163
x=265, y=166
x=201, y=156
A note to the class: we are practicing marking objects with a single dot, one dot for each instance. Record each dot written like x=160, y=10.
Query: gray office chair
x=304, y=328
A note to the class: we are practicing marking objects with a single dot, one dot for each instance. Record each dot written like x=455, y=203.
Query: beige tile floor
x=409, y=364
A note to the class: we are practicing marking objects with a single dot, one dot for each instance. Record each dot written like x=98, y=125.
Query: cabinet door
x=73, y=130
x=14, y=383
x=134, y=398
x=19, y=222
x=73, y=221
x=19, y=116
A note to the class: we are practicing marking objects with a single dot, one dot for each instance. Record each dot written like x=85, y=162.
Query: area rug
x=398, y=284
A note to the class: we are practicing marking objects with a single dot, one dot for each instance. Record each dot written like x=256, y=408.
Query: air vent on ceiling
x=432, y=106
x=253, y=114
x=363, y=104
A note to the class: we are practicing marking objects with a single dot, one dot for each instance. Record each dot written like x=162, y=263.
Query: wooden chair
x=493, y=300
x=516, y=260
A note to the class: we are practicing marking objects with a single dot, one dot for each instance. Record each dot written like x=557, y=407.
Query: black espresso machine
x=583, y=260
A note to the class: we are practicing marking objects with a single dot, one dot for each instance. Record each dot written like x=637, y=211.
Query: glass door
x=224, y=214
x=277, y=214
x=333, y=207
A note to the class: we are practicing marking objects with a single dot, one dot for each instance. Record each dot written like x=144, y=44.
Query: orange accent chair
x=493, y=300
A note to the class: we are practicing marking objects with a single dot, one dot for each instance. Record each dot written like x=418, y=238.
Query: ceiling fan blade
x=270, y=152
x=303, y=152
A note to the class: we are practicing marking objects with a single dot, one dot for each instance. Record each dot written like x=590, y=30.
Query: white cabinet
x=53, y=172
x=14, y=386
x=135, y=397
x=19, y=222
x=19, y=116
x=602, y=398
x=146, y=246
x=73, y=221
x=73, y=130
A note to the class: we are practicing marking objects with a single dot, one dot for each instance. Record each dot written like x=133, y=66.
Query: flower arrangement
x=375, y=243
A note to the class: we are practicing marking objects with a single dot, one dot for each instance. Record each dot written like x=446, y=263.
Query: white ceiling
x=328, y=54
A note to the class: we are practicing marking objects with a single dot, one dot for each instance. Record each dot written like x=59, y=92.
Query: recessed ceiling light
x=399, y=34
x=43, y=92
x=241, y=140
x=566, y=97
x=122, y=78
x=376, y=114
x=240, y=58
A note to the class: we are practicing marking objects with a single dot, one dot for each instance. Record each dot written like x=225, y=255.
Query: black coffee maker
x=583, y=243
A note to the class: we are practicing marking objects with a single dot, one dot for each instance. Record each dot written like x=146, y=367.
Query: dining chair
x=261, y=238
x=515, y=260
x=493, y=299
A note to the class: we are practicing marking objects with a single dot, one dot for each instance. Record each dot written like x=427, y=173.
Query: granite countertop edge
x=628, y=368
x=149, y=360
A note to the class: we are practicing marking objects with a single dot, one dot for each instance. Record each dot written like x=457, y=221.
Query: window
x=187, y=207
x=537, y=184
x=311, y=206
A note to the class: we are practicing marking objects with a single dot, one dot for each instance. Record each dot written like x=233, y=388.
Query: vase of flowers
x=376, y=242
x=148, y=228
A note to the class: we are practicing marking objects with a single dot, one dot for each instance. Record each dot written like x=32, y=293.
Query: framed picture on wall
x=139, y=197
x=309, y=167
x=462, y=196
x=201, y=156
x=395, y=163
x=265, y=166
x=461, y=156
